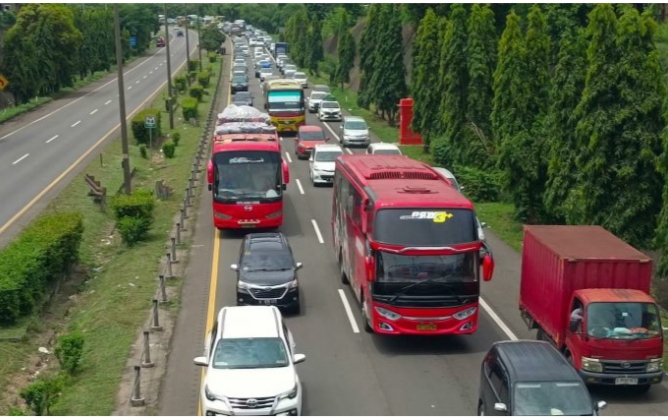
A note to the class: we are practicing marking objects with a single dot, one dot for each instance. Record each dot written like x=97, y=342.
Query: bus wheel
x=344, y=278
x=367, y=326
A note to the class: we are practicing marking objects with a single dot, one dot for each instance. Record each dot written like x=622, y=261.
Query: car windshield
x=425, y=227
x=312, y=135
x=243, y=175
x=623, y=320
x=242, y=95
x=332, y=105
x=355, y=125
x=239, y=79
x=300, y=75
x=395, y=268
x=387, y=152
x=276, y=260
x=327, y=156
x=318, y=95
x=552, y=399
x=250, y=353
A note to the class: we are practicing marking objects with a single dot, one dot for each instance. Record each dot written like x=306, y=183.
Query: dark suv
x=531, y=378
x=239, y=84
x=267, y=272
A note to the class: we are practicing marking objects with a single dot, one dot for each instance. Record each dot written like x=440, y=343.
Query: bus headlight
x=464, y=314
x=392, y=316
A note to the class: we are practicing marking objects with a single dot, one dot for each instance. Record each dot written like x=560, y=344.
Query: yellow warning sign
x=3, y=82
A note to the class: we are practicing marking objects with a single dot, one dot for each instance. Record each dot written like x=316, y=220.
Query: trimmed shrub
x=180, y=83
x=213, y=57
x=203, y=78
x=42, y=394
x=140, y=132
x=192, y=75
x=143, y=151
x=175, y=136
x=189, y=106
x=134, y=215
x=480, y=185
x=169, y=149
x=69, y=351
x=39, y=257
x=197, y=92
x=193, y=65
x=15, y=411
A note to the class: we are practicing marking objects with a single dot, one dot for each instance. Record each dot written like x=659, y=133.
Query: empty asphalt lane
x=78, y=130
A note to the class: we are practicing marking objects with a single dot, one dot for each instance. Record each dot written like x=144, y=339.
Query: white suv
x=250, y=359
x=322, y=163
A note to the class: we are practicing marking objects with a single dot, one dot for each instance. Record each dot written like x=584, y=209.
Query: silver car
x=301, y=78
x=314, y=101
x=329, y=111
x=354, y=131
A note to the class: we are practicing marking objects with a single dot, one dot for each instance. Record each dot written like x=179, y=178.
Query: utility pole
x=187, y=53
x=199, y=35
x=127, y=185
x=169, y=73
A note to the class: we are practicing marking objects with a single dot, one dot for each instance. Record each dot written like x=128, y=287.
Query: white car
x=264, y=72
x=301, y=78
x=239, y=61
x=314, y=101
x=451, y=177
x=383, y=149
x=250, y=359
x=329, y=111
x=323, y=162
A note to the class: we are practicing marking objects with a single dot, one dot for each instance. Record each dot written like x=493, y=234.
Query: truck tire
x=540, y=335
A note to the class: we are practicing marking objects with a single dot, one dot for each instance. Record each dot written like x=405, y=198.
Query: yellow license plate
x=426, y=327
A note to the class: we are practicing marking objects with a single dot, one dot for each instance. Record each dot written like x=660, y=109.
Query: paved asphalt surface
x=36, y=149
x=348, y=371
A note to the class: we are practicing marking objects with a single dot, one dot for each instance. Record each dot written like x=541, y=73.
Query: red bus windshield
x=432, y=228
x=243, y=175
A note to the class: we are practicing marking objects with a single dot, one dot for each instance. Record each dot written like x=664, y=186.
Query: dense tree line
x=51, y=44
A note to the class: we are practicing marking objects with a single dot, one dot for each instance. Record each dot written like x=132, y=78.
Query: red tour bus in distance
x=247, y=177
x=407, y=243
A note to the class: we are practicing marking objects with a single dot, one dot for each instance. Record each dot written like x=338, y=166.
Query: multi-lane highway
x=40, y=149
x=348, y=371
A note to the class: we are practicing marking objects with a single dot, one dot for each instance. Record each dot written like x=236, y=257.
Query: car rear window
x=311, y=135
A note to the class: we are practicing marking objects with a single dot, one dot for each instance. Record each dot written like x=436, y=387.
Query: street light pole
x=127, y=186
x=187, y=53
x=169, y=73
x=199, y=35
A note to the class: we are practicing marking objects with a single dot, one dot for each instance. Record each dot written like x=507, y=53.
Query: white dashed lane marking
x=21, y=158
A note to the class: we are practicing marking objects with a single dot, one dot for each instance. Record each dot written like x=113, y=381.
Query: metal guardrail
x=160, y=297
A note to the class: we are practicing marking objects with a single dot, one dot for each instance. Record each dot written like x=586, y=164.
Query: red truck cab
x=587, y=292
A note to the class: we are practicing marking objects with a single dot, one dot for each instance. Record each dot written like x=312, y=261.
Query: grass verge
x=113, y=303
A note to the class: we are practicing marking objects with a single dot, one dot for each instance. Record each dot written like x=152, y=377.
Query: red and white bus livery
x=407, y=243
x=247, y=176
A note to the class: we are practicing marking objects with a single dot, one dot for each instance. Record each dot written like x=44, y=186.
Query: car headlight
x=293, y=284
x=242, y=285
x=655, y=365
x=291, y=394
x=213, y=397
x=392, y=316
x=464, y=314
x=591, y=365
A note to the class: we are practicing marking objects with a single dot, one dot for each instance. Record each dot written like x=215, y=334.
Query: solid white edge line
x=21, y=158
x=75, y=124
x=299, y=185
x=331, y=131
x=349, y=312
x=497, y=320
x=317, y=231
x=93, y=112
x=52, y=139
x=287, y=156
x=108, y=102
x=89, y=93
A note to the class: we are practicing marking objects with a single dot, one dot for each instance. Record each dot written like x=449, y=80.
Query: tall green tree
x=481, y=54
x=426, y=79
x=346, y=53
x=315, y=49
x=454, y=85
x=561, y=122
x=212, y=38
x=369, y=43
x=621, y=120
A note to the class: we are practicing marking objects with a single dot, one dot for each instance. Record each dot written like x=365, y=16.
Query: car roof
x=269, y=241
x=534, y=361
x=250, y=321
x=328, y=147
x=386, y=146
x=242, y=94
x=351, y=118
x=310, y=128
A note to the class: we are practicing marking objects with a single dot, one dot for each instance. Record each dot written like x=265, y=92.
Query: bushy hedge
x=193, y=65
x=169, y=149
x=40, y=256
x=139, y=131
x=189, y=106
x=480, y=186
x=192, y=76
x=197, y=92
x=134, y=215
x=176, y=137
x=213, y=57
x=203, y=78
x=180, y=83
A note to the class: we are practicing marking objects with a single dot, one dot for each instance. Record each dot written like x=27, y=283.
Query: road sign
x=149, y=122
x=133, y=41
x=3, y=82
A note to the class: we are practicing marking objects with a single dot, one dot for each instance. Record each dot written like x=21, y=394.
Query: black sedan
x=239, y=84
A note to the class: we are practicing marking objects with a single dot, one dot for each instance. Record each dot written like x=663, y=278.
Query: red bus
x=247, y=176
x=407, y=243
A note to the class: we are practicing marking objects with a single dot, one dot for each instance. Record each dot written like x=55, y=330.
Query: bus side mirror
x=370, y=266
x=487, y=267
x=210, y=187
x=266, y=106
